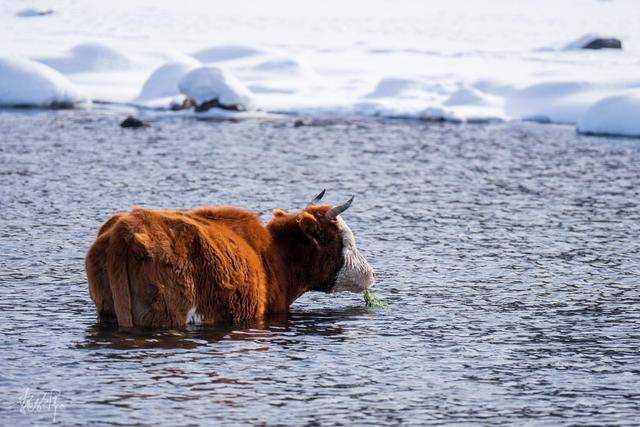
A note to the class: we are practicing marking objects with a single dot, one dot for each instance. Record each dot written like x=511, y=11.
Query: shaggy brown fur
x=151, y=268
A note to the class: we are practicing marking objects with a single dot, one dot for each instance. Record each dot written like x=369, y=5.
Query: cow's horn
x=316, y=199
x=334, y=212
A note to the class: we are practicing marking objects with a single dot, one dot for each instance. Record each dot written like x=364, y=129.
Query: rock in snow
x=610, y=43
x=26, y=83
x=594, y=41
x=214, y=87
x=613, y=115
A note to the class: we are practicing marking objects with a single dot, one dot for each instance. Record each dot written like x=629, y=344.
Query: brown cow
x=171, y=268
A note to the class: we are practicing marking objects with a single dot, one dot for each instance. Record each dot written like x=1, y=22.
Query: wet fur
x=151, y=268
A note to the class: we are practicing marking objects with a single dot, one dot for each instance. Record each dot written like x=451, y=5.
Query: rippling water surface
x=507, y=253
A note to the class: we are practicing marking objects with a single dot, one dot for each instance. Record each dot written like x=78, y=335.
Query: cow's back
x=199, y=266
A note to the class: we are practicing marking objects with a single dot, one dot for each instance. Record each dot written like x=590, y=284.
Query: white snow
x=613, y=115
x=28, y=83
x=28, y=13
x=504, y=60
x=557, y=102
x=90, y=57
x=283, y=66
x=391, y=87
x=225, y=53
x=163, y=82
x=209, y=82
x=469, y=96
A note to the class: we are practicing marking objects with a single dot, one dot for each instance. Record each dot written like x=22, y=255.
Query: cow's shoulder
x=244, y=223
x=226, y=213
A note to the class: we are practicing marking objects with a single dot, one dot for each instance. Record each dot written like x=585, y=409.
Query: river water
x=508, y=255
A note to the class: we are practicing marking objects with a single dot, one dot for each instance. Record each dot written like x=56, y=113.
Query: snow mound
x=284, y=65
x=90, y=57
x=390, y=87
x=613, y=115
x=467, y=96
x=163, y=82
x=226, y=53
x=557, y=102
x=436, y=102
x=26, y=83
x=270, y=89
x=213, y=83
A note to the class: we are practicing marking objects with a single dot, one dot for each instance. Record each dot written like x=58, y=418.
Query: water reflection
x=320, y=322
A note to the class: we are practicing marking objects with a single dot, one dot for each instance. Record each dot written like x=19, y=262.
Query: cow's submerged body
x=170, y=268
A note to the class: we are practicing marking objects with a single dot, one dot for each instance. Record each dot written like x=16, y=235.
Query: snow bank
x=390, y=87
x=613, y=115
x=212, y=83
x=163, y=82
x=467, y=96
x=28, y=83
x=557, y=102
x=315, y=58
x=226, y=53
x=416, y=98
x=399, y=97
x=90, y=57
x=283, y=66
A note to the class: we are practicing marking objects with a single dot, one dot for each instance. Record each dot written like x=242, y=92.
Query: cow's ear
x=279, y=212
x=309, y=226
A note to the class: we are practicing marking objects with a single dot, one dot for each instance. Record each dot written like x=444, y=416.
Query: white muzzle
x=356, y=274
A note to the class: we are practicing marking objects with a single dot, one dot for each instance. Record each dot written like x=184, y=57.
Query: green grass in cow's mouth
x=371, y=300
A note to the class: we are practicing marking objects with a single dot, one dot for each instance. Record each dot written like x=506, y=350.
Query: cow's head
x=328, y=249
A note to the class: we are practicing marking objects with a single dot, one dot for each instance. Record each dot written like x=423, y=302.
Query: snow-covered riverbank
x=459, y=60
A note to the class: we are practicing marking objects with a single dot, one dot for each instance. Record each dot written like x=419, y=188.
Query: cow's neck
x=288, y=253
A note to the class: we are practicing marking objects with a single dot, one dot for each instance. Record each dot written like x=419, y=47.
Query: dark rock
x=186, y=104
x=214, y=103
x=302, y=122
x=134, y=123
x=603, y=44
x=205, y=106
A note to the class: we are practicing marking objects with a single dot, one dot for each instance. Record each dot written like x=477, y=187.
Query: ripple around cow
x=507, y=255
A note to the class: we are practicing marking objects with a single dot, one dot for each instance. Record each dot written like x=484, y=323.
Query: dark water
x=508, y=255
